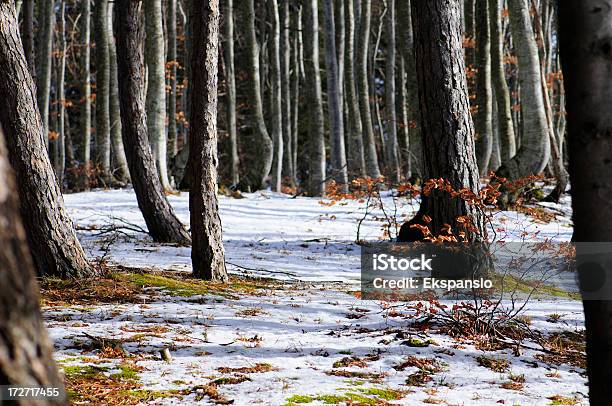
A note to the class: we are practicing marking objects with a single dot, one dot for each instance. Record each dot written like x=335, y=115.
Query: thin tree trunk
x=295, y=88
x=286, y=92
x=584, y=34
x=403, y=139
x=276, y=98
x=502, y=95
x=469, y=14
x=27, y=34
x=26, y=354
x=534, y=152
x=156, y=88
x=102, y=88
x=230, y=83
x=55, y=248
x=158, y=215
x=43, y=84
x=60, y=164
x=207, y=254
x=393, y=162
x=484, y=99
x=447, y=129
x=86, y=95
x=122, y=173
x=316, y=181
x=262, y=152
x=356, y=159
x=172, y=63
x=338, y=158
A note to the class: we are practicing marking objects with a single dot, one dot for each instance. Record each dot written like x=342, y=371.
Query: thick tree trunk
x=276, y=98
x=415, y=154
x=230, y=83
x=27, y=33
x=122, y=173
x=156, y=88
x=25, y=350
x=102, y=88
x=160, y=219
x=262, y=152
x=171, y=62
x=43, y=82
x=356, y=159
x=534, y=152
x=286, y=92
x=585, y=39
x=483, y=123
x=316, y=178
x=502, y=95
x=334, y=84
x=86, y=94
x=52, y=240
x=371, y=159
x=207, y=254
x=391, y=146
x=447, y=129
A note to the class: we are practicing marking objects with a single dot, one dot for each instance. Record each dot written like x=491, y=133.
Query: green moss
x=415, y=342
x=345, y=352
x=355, y=382
x=150, y=395
x=348, y=397
x=512, y=284
x=83, y=371
x=126, y=372
x=386, y=394
x=300, y=399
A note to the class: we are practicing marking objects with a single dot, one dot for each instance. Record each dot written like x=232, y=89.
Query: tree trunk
x=534, y=152
x=469, y=17
x=484, y=99
x=43, y=83
x=298, y=73
x=286, y=92
x=86, y=95
x=276, y=98
x=502, y=95
x=122, y=173
x=160, y=219
x=316, y=181
x=338, y=158
x=230, y=83
x=263, y=149
x=393, y=162
x=584, y=34
x=371, y=159
x=26, y=354
x=447, y=129
x=172, y=62
x=356, y=160
x=102, y=88
x=60, y=164
x=27, y=33
x=55, y=248
x=156, y=88
x=207, y=254
x=413, y=128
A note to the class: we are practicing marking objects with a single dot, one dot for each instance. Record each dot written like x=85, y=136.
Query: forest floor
x=289, y=328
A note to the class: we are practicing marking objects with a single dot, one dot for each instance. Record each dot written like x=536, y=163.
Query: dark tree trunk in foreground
x=25, y=351
x=55, y=248
x=162, y=223
x=207, y=254
x=446, y=125
x=586, y=46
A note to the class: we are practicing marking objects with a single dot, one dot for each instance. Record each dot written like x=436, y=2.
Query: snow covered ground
x=307, y=338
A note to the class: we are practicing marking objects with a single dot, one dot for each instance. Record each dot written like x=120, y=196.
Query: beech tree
x=102, y=88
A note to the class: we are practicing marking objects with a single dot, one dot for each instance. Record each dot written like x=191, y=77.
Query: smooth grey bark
x=369, y=147
x=534, y=152
x=103, y=145
x=356, y=159
x=297, y=76
x=43, y=77
x=276, y=96
x=230, y=84
x=286, y=92
x=447, y=129
x=391, y=147
x=483, y=123
x=156, y=88
x=207, y=254
x=262, y=152
x=334, y=100
x=121, y=171
x=403, y=139
x=507, y=143
x=86, y=93
x=413, y=127
x=161, y=222
x=26, y=353
x=314, y=99
x=171, y=63
x=60, y=163
x=585, y=39
x=51, y=237
x=27, y=33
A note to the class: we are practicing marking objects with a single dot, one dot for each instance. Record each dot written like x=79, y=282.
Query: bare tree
x=102, y=88
x=230, y=83
x=276, y=98
x=391, y=145
x=483, y=120
x=27, y=33
x=86, y=93
x=158, y=215
x=171, y=62
x=285, y=47
x=45, y=49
